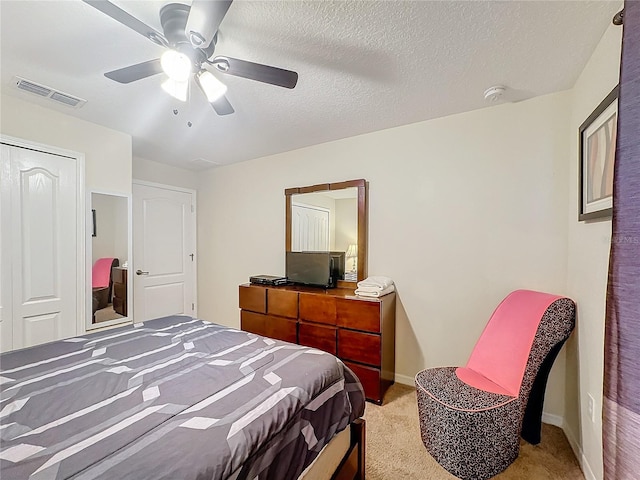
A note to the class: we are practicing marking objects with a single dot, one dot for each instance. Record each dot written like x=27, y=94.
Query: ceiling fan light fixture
x=210, y=85
x=177, y=90
x=177, y=65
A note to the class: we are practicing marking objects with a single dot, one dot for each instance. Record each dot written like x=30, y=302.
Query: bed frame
x=352, y=465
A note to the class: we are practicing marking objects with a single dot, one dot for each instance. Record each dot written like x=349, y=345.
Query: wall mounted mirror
x=108, y=254
x=330, y=217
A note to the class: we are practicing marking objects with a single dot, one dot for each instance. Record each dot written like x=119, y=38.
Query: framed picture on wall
x=597, y=136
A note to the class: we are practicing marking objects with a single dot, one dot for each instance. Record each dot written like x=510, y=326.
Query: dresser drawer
x=253, y=322
x=269, y=326
x=253, y=298
x=318, y=336
x=318, y=308
x=359, y=347
x=283, y=303
x=281, y=329
x=120, y=290
x=370, y=379
x=358, y=314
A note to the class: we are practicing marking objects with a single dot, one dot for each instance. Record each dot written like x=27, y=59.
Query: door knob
x=140, y=272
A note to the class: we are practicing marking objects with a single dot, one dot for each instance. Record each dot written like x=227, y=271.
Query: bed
x=178, y=398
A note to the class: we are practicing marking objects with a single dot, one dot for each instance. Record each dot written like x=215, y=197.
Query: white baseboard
x=577, y=450
x=405, y=380
x=552, y=419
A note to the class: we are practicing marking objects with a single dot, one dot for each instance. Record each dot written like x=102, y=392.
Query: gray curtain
x=621, y=423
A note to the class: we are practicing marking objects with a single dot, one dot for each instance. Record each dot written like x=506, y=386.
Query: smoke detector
x=493, y=94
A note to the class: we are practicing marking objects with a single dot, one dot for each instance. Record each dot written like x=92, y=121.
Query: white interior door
x=39, y=229
x=164, y=241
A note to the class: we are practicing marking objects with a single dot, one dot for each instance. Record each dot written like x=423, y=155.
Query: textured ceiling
x=363, y=66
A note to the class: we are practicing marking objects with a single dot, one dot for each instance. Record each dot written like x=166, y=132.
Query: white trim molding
x=405, y=380
x=166, y=187
x=577, y=450
x=552, y=419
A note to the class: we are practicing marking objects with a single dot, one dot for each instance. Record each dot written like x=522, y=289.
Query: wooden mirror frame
x=361, y=185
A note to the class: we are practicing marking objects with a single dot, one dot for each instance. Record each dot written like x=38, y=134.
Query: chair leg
x=532, y=422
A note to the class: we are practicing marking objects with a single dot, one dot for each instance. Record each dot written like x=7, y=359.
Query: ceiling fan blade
x=204, y=20
x=127, y=20
x=256, y=71
x=135, y=72
x=222, y=106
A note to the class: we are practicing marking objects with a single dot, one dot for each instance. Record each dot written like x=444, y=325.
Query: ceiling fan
x=190, y=35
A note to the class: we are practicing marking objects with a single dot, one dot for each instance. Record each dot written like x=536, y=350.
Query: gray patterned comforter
x=174, y=398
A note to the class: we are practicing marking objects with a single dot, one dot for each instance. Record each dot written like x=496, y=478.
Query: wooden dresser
x=360, y=331
x=119, y=276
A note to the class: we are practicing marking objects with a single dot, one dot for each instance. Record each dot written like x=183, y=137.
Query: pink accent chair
x=471, y=417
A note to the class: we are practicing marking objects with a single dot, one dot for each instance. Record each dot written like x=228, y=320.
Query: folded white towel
x=375, y=293
x=377, y=282
x=369, y=289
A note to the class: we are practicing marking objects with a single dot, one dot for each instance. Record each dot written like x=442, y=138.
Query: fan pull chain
x=189, y=124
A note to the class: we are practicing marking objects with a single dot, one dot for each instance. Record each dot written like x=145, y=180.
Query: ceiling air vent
x=201, y=164
x=66, y=99
x=50, y=93
x=33, y=88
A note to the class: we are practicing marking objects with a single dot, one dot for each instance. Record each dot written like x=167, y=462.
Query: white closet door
x=42, y=238
x=309, y=228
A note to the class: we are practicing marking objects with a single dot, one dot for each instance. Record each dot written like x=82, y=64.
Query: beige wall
x=462, y=210
x=107, y=152
x=156, y=172
x=346, y=223
x=588, y=262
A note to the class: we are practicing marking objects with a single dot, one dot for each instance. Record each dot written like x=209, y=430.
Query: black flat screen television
x=320, y=269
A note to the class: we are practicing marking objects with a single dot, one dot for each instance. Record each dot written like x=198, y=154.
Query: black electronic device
x=318, y=269
x=272, y=280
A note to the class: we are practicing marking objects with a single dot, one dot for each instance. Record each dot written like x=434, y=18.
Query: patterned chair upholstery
x=471, y=417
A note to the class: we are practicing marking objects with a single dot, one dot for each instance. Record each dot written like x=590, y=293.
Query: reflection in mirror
x=326, y=221
x=329, y=217
x=110, y=252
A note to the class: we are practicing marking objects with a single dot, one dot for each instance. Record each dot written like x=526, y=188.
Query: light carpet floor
x=106, y=314
x=395, y=450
